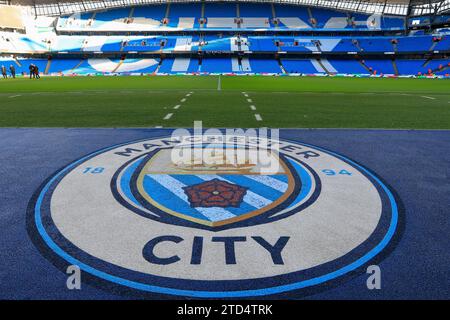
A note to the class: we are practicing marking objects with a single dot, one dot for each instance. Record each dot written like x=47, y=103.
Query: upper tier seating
x=110, y=18
x=220, y=10
x=255, y=16
x=329, y=19
x=292, y=17
x=255, y=10
x=184, y=15
x=223, y=15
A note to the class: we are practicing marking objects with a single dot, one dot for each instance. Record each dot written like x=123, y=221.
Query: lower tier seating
x=236, y=65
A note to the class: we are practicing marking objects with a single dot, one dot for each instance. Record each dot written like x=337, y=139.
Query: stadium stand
x=227, y=37
x=302, y=66
x=264, y=66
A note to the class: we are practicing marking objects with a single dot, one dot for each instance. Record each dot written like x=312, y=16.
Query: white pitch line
x=426, y=97
x=168, y=116
x=177, y=106
x=258, y=117
x=15, y=96
x=183, y=100
x=158, y=127
x=249, y=100
x=252, y=107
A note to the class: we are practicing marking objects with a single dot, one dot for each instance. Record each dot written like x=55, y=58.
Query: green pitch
x=177, y=101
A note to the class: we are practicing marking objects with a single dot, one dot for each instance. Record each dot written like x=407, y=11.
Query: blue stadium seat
x=299, y=66
x=185, y=10
x=216, y=65
x=24, y=64
x=414, y=44
x=380, y=66
x=213, y=43
x=348, y=66
x=255, y=10
x=220, y=10
x=264, y=66
x=64, y=66
x=156, y=12
x=110, y=15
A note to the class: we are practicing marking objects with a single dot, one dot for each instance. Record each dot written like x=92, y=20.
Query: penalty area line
x=168, y=116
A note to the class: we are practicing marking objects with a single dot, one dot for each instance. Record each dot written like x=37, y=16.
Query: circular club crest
x=130, y=215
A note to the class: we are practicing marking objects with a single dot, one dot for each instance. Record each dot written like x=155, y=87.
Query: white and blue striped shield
x=211, y=196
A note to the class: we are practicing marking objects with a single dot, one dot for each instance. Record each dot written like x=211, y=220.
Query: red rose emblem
x=215, y=193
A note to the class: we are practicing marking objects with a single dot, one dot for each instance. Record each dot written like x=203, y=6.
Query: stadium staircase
x=394, y=46
x=47, y=67
x=426, y=62
x=118, y=65
x=319, y=65
x=17, y=62
x=200, y=62
x=394, y=65
x=433, y=45
x=130, y=16
x=167, y=14
x=311, y=18
x=202, y=15
x=283, y=70
x=159, y=65
x=447, y=68
x=274, y=15
x=356, y=45
x=77, y=66
x=365, y=66
x=94, y=14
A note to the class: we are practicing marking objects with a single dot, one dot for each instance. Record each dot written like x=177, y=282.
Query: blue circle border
x=218, y=294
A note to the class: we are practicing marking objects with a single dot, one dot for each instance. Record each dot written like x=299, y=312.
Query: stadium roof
x=390, y=7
